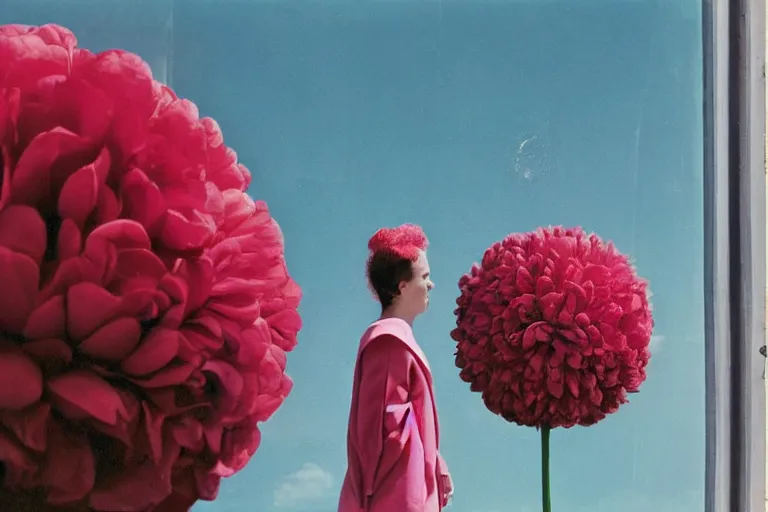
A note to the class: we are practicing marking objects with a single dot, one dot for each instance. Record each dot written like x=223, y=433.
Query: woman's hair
x=392, y=251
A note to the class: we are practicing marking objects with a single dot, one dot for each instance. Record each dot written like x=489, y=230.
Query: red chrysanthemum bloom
x=145, y=305
x=553, y=328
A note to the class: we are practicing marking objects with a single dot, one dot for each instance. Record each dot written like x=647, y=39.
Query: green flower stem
x=546, y=502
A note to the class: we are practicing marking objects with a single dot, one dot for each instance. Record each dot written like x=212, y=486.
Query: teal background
x=474, y=119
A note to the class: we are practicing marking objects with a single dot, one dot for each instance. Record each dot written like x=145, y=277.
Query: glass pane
x=474, y=119
x=144, y=27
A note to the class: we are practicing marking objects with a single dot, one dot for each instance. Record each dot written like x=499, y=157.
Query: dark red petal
x=32, y=178
x=170, y=376
x=23, y=230
x=138, y=487
x=68, y=273
x=107, y=206
x=87, y=109
x=21, y=381
x=30, y=425
x=152, y=424
x=113, y=341
x=229, y=383
x=48, y=320
x=126, y=427
x=156, y=351
x=51, y=352
x=142, y=198
x=19, y=466
x=69, y=470
x=19, y=277
x=88, y=307
x=123, y=234
x=184, y=233
x=79, y=194
x=140, y=262
x=70, y=240
x=80, y=394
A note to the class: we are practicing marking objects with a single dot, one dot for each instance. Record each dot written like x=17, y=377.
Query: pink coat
x=393, y=436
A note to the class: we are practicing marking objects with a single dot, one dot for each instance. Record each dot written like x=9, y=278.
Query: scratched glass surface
x=473, y=118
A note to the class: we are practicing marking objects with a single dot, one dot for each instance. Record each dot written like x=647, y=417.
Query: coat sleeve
x=390, y=448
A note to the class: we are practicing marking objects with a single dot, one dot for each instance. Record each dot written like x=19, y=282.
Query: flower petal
x=48, y=320
x=23, y=230
x=156, y=351
x=17, y=464
x=142, y=198
x=79, y=194
x=70, y=467
x=32, y=180
x=21, y=381
x=49, y=353
x=19, y=277
x=138, y=487
x=170, y=376
x=70, y=240
x=113, y=341
x=80, y=394
x=30, y=425
x=88, y=307
x=123, y=234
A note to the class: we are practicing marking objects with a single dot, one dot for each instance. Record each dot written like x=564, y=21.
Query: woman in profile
x=394, y=464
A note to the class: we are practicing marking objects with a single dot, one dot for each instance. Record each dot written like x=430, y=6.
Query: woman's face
x=414, y=294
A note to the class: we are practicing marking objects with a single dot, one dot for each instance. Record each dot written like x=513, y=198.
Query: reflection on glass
x=473, y=119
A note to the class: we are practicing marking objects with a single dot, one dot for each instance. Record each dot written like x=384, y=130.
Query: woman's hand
x=447, y=489
x=445, y=482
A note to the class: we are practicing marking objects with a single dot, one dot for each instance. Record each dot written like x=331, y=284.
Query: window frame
x=735, y=253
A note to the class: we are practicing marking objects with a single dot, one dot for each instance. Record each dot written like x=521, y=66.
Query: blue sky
x=474, y=119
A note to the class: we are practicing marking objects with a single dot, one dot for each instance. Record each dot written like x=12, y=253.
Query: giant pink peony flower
x=553, y=328
x=145, y=305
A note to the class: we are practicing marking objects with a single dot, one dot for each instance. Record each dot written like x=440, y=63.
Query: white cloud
x=655, y=345
x=306, y=487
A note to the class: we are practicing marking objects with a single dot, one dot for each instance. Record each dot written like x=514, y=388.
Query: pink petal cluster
x=145, y=305
x=402, y=242
x=553, y=328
